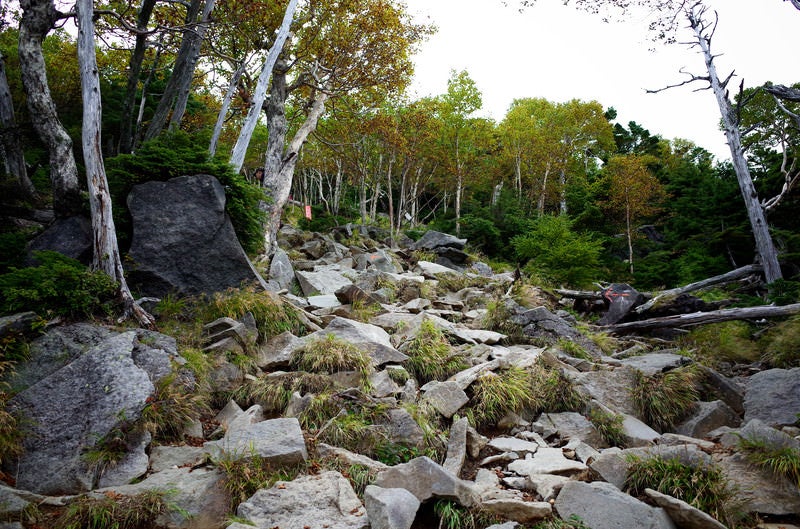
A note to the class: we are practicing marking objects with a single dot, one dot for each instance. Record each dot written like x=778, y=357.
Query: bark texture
x=38, y=18
x=12, y=154
x=104, y=238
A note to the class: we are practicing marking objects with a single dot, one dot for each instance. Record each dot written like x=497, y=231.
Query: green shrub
x=703, y=487
x=430, y=356
x=664, y=399
x=552, y=248
x=481, y=233
x=12, y=251
x=120, y=512
x=178, y=154
x=58, y=286
x=784, y=292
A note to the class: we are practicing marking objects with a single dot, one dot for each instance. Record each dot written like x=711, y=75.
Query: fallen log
x=702, y=318
x=593, y=295
x=727, y=277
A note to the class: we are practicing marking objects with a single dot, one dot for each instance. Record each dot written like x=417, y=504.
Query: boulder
x=163, y=457
x=760, y=491
x=773, y=396
x=446, y=397
x=70, y=236
x=379, y=260
x=457, y=447
x=403, y=429
x=620, y=299
x=434, y=239
x=431, y=270
x=390, y=508
x=636, y=432
x=183, y=241
x=324, y=282
x=98, y=392
x=277, y=441
x=611, y=388
x=546, y=461
x=514, y=444
x=541, y=324
x=277, y=351
x=281, y=271
x=654, y=363
x=604, y=506
x=426, y=479
x=571, y=425
x=323, y=500
x=708, y=416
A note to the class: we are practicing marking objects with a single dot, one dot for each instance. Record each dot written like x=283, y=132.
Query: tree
x=106, y=256
x=38, y=18
x=634, y=192
x=461, y=101
x=10, y=146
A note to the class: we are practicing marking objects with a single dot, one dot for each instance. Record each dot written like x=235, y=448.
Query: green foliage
x=722, y=342
x=610, y=426
x=494, y=395
x=177, y=154
x=452, y=515
x=10, y=433
x=272, y=315
x=430, y=356
x=780, y=460
x=120, y=512
x=572, y=348
x=359, y=476
x=12, y=250
x=332, y=355
x=704, y=487
x=573, y=522
x=784, y=292
x=498, y=318
x=58, y=286
x=664, y=399
x=481, y=233
x=247, y=473
x=781, y=344
x=396, y=453
x=552, y=248
x=108, y=450
x=454, y=282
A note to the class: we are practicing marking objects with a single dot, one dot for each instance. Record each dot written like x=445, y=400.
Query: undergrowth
x=117, y=512
x=430, y=356
x=609, y=425
x=663, y=399
x=780, y=460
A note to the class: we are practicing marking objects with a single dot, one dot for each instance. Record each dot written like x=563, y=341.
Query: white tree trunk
x=226, y=105
x=758, y=222
x=249, y=125
x=38, y=18
x=104, y=237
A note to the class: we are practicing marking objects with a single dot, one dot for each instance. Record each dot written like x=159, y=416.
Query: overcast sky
x=560, y=53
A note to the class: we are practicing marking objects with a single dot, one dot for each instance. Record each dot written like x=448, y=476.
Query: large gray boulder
x=75, y=407
x=323, y=500
x=276, y=441
x=426, y=479
x=708, y=416
x=390, y=508
x=281, y=271
x=434, y=239
x=71, y=236
x=603, y=506
x=683, y=514
x=322, y=282
x=183, y=241
x=773, y=396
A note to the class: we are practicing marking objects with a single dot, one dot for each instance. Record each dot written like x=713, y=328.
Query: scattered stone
x=571, y=425
x=289, y=504
x=278, y=441
x=546, y=461
x=326, y=282
x=278, y=351
x=760, y=491
x=518, y=510
x=513, y=444
x=434, y=239
x=637, y=433
x=654, y=363
x=390, y=508
x=606, y=507
x=163, y=457
x=457, y=447
x=446, y=397
x=546, y=485
x=370, y=338
x=426, y=479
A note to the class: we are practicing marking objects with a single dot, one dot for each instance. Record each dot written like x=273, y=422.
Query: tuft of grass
x=430, y=355
x=171, y=307
x=495, y=395
x=331, y=355
x=454, y=516
x=497, y=318
x=359, y=476
x=273, y=392
x=172, y=407
x=609, y=425
x=453, y=282
x=780, y=460
x=782, y=344
x=117, y=512
x=722, y=342
x=364, y=311
x=553, y=392
x=607, y=343
x=272, y=315
x=705, y=487
x=573, y=349
x=662, y=400
x=573, y=522
x=246, y=475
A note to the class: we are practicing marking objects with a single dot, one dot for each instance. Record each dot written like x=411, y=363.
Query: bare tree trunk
x=184, y=67
x=629, y=234
x=389, y=195
x=764, y=245
x=362, y=197
x=281, y=162
x=106, y=249
x=226, y=105
x=38, y=17
x=134, y=70
x=13, y=156
x=249, y=125
x=196, y=39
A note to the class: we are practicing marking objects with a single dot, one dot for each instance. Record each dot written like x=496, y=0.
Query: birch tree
x=106, y=255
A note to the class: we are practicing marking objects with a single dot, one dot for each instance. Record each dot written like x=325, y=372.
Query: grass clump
x=173, y=406
x=781, y=344
x=117, y=512
x=273, y=392
x=722, y=342
x=573, y=522
x=780, y=460
x=609, y=425
x=59, y=286
x=553, y=392
x=359, y=476
x=665, y=398
x=704, y=487
x=330, y=355
x=453, y=282
x=272, y=315
x=498, y=318
x=246, y=475
x=573, y=349
x=430, y=355
x=494, y=395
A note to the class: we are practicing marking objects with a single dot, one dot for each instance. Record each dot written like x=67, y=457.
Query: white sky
x=560, y=53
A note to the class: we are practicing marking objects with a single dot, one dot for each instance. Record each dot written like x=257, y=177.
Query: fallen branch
x=727, y=277
x=580, y=294
x=702, y=318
